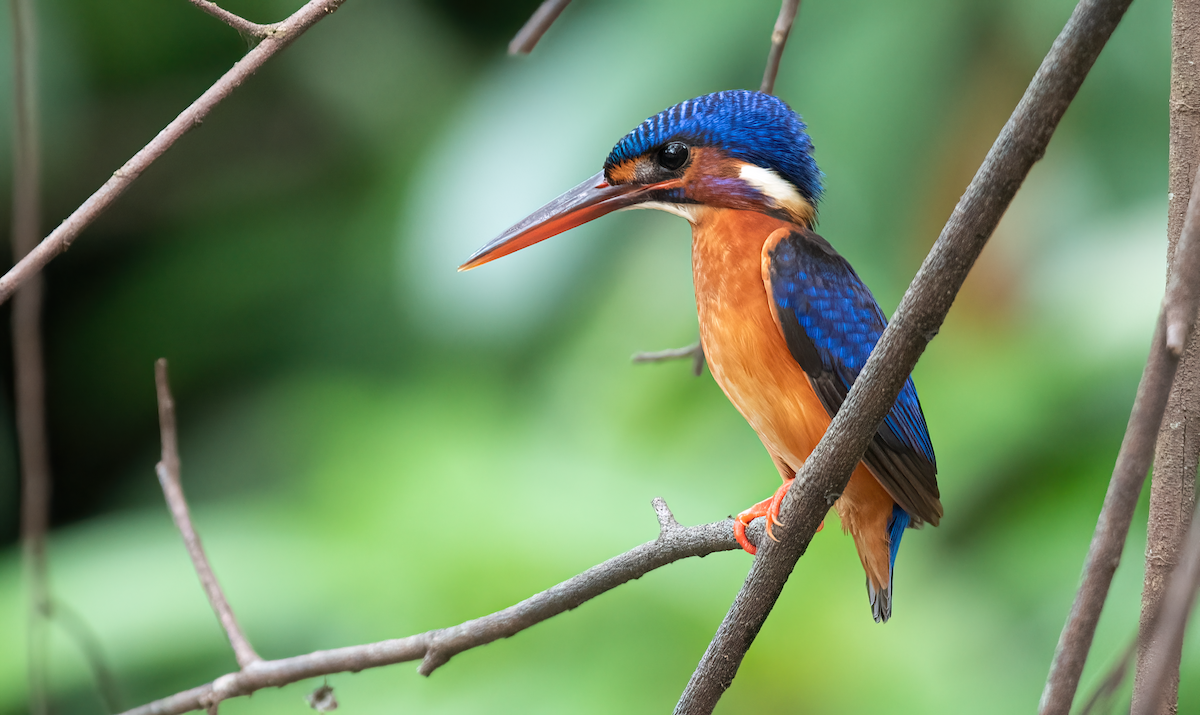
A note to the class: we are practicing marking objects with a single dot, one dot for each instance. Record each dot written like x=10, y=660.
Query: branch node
x=434, y=658
x=1176, y=336
x=667, y=524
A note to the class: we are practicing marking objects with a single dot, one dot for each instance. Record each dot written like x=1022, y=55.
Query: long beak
x=590, y=200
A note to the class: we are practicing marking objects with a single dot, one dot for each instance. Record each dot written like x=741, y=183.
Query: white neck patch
x=687, y=211
x=779, y=189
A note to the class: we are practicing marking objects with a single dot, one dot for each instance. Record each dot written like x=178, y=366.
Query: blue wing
x=831, y=323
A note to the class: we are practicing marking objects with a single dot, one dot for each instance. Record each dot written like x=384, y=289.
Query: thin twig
x=1176, y=318
x=78, y=630
x=168, y=477
x=28, y=364
x=1176, y=604
x=237, y=22
x=60, y=239
x=695, y=351
x=924, y=306
x=541, y=20
x=779, y=38
x=435, y=648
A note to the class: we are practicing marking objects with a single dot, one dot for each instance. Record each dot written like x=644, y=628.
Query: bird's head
x=734, y=150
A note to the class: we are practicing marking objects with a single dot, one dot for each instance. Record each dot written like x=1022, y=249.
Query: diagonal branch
x=924, y=306
x=541, y=20
x=435, y=648
x=237, y=22
x=168, y=477
x=283, y=34
x=779, y=38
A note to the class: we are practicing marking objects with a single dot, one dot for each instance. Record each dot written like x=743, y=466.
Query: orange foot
x=768, y=508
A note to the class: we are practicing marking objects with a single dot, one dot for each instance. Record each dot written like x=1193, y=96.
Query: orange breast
x=750, y=360
x=742, y=342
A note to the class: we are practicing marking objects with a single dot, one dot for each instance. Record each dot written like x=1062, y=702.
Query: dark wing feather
x=831, y=323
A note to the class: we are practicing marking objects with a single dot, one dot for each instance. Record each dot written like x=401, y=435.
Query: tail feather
x=881, y=599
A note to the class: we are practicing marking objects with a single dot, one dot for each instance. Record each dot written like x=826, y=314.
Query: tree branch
x=1175, y=605
x=242, y=25
x=282, y=35
x=924, y=306
x=28, y=364
x=168, y=477
x=435, y=648
x=695, y=351
x=1175, y=323
x=1173, y=483
x=78, y=630
x=779, y=38
x=541, y=20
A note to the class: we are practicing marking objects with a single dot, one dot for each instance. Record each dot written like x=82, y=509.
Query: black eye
x=673, y=156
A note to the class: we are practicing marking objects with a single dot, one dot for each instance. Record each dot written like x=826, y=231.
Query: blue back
x=831, y=323
x=754, y=127
x=842, y=320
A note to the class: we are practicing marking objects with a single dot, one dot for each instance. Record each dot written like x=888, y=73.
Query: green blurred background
x=376, y=445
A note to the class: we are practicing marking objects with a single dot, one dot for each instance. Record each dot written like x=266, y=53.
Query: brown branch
x=237, y=22
x=695, y=351
x=1176, y=604
x=168, y=477
x=1173, y=482
x=60, y=239
x=924, y=306
x=78, y=630
x=28, y=364
x=541, y=20
x=435, y=648
x=1176, y=318
x=779, y=38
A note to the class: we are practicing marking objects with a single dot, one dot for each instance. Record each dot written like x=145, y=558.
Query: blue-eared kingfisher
x=785, y=322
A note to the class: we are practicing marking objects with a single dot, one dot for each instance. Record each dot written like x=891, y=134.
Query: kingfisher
x=785, y=322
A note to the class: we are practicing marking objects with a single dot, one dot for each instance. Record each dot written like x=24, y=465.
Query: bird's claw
x=768, y=508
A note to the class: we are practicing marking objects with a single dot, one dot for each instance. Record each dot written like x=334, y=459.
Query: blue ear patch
x=754, y=127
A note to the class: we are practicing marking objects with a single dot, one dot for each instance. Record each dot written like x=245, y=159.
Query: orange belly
x=750, y=360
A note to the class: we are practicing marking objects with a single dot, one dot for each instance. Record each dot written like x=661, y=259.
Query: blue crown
x=757, y=128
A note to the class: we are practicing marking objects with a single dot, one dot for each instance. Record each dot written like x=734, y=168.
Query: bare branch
x=924, y=306
x=779, y=38
x=1179, y=313
x=1176, y=605
x=85, y=638
x=435, y=648
x=695, y=351
x=1173, y=482
x=168, y=477
x=541, y=20
x=60, y=239
x=28, y=365
x=242, y=25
